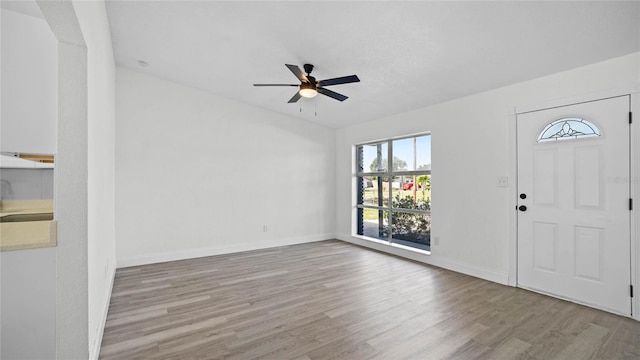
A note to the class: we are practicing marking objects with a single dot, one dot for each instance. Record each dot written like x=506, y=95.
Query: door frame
x=633, y=91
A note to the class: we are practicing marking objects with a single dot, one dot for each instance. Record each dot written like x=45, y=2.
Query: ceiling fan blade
x=295, y=98
x=332, y=94
x=275, y=85
x=298, y=73
x=339, y=80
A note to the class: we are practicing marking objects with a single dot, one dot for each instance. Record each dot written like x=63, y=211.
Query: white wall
x=85, y=184
x=28, y=304
x=70, y=182
x=197, y=174
x=29, y=85
x=469, y=150
x=101, y=264
x=28, y=124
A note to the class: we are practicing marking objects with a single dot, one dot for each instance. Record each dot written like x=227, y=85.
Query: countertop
x=27, y=234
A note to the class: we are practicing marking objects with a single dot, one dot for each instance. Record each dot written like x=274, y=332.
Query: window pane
x=412, y=230
x=412, y=192
x=423, y=152
x=403, y=154
x=375, y=191
x=568, y=128
x=424, y=189
x=412, y=153
x=375, y=223
x=384, y=192
x=374, y=157
x=404, y=187
x=397, y=185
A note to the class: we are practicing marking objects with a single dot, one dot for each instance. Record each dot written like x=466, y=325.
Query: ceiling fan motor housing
x=312, y=81
x=305, y=85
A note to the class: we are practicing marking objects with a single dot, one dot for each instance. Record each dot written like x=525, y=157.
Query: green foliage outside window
x=410, y=226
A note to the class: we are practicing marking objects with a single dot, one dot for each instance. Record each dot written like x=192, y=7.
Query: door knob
x=522, y=208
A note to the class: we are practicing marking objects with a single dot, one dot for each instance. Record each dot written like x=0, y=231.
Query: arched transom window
x=567, y=129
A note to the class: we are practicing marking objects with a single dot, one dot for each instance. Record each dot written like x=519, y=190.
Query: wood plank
x=334, y=300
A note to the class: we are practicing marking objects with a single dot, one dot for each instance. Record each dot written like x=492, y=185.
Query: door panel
x=545, y=240
x=573, y=237
x=589, y=250
x=545, y=174
x=588, y=179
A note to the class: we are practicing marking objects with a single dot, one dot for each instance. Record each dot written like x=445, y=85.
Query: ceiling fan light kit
x=307, y=90
x=310, y=87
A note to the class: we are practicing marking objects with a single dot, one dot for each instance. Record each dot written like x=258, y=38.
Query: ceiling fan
x=310, y=87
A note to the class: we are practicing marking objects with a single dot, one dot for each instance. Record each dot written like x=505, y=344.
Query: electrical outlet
x=502, y=181
x=265, y=228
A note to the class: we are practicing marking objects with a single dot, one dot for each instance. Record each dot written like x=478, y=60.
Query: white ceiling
x=26, y=7
x=407, y=54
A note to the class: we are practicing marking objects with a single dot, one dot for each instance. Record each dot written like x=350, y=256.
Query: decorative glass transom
x=567, y=129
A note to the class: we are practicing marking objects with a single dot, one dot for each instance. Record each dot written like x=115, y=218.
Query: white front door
x=574, y=203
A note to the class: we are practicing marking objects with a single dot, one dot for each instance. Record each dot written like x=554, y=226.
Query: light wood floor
x=333, y=300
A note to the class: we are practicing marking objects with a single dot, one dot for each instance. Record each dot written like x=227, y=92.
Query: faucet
x=6, y=185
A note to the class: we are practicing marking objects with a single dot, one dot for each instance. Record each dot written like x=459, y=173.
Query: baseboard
x=472, y=270
x=94, y=351
x=467, y=269
x=217, y=250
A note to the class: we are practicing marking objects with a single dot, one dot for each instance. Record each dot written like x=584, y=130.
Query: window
x=568, y=128
x=393, y=189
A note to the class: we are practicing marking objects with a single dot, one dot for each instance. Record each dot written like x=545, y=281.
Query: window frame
x=390, y=174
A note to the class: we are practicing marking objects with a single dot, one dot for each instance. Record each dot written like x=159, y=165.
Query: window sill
x=419, y=251
x=394, y=245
